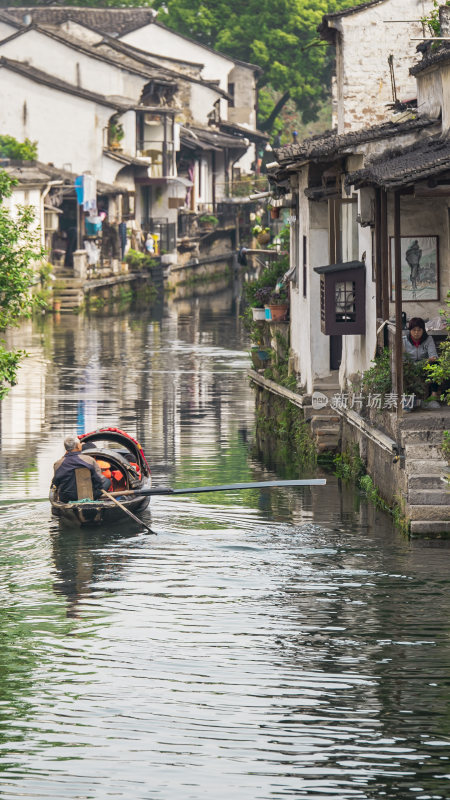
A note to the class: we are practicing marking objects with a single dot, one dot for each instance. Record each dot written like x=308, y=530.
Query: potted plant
x=262, y=233
x=208, y=222
x=277, y=305
x=115, y=133
x=261, y=299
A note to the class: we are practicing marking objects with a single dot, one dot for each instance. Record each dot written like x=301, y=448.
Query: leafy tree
x=19, y=251
x=21, y=151
x=281, y=38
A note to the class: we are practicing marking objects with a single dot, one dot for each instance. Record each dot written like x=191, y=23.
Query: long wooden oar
x=167, y=491
x=130, y=514
x=162, y=490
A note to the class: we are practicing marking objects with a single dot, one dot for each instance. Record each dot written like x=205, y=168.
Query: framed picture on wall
x=420, y=268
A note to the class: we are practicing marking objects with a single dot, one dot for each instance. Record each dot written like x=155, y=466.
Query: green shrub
x=440, y=371
x=377, y=379
x=414, y=378
x=208, y=219
x=269, y=277
x=137, y=260
x=446, y=446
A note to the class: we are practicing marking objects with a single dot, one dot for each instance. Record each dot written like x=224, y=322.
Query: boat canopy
x=115, y=435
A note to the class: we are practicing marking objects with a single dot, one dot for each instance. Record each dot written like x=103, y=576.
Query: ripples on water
x=264, y=645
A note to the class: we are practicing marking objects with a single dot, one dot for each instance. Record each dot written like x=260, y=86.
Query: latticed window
x=342, y=298
x=345, y=299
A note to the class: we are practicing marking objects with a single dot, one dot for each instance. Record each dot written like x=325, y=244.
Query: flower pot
x=258, y=314
x=261, y=357
x=263, y=238
x=274, y=213
x=277, y=313
x=56, y=305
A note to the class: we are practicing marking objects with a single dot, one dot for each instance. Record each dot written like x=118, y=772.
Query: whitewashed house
x=222, y=92
x=346, y=203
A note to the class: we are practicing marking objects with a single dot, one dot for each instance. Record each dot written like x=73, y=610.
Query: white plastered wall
x=310, y=347
x=28, y=196
x=75, y=136
x=154, y=38
x=243, y=112
x=358, y=351
x=429, y=92
x=425, y=217
x=6, y=30
x=202, y=102
x=79, y=31
x=366, y=40
x=73, y=66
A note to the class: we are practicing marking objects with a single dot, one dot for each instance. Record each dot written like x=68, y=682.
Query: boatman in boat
x=64, y=477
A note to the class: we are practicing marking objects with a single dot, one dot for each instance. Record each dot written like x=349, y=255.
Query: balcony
x=165, y=230
x=161, y=155
x=155, y=140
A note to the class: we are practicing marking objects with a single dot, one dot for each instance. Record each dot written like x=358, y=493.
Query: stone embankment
x=402, y=454
x=428, y=492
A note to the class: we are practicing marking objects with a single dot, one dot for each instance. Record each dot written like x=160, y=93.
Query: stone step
x=425, y=482
x=70, y=284
x=332, y=441
x=326, y=430
x=428, y=512
x=430, y=467
x=422, y=435
x=67, y=293
x=439, y=419
x=327, y=447
x=324, y=414
x=429, y=527
x=430, y=496
x=424, y=450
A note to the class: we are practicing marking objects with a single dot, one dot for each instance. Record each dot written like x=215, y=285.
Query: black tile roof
x=36, y=172
x=5, y=17
x=210, y=139
x=38, y=76
x=431, y=57
x=113, y=21
x=117, y=21
x=149, y=70
x=403, y=168
x=330, y=143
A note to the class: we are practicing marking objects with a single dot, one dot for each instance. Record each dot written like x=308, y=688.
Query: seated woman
x=419, y=346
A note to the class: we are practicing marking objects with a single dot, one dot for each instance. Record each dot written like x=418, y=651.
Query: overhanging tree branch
x=268, y=123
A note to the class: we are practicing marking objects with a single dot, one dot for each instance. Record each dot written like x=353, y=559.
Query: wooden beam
x=426, y=191
x=385, y=289
x=377, y=254
x=398, y=303
x=331, y=232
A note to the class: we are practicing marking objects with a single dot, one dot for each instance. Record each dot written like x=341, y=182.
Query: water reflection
x=284, y=643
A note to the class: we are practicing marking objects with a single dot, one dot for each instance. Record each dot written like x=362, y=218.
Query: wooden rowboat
x=121, y=458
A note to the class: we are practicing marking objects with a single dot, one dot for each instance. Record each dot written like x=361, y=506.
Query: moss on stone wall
x=282, y=435
x=349, y=466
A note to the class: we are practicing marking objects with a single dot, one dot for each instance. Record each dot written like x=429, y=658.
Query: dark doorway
x=335, y=352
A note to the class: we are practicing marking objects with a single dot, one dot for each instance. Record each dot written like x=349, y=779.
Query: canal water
x=274, y=644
